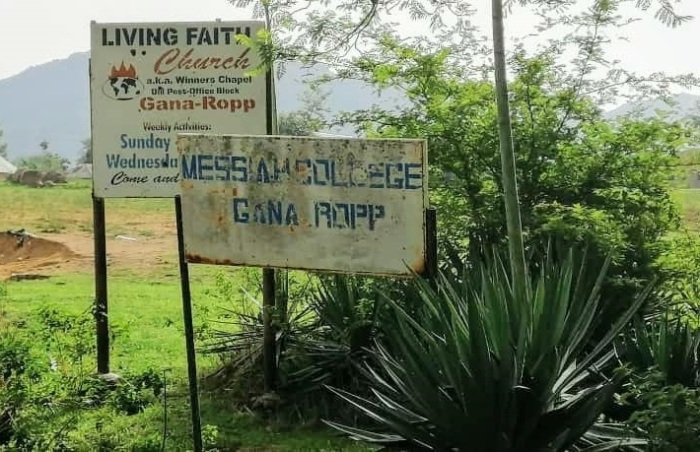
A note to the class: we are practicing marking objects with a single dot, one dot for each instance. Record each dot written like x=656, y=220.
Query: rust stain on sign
x=195, y=259
x=337, y=205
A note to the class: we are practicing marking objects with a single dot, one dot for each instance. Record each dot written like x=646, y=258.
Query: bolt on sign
x=151, y=81
x=327, y=204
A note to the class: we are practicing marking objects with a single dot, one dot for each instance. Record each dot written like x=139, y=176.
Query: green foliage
x=3, y=146
x=42, y=392
x=668, y=345
x=310, y=118
x=45, y=161
x=581, y=179
x=86, y=155
x=671, y=414
x=322, y=338
x=680, y=263
x=479, y=368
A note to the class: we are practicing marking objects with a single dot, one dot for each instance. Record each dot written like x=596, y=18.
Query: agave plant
x=321, y=339
x=668, y=345
x=479, y=369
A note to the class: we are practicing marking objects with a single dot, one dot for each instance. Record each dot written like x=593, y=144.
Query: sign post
x=100, y=308
x=189, y=331
x=150, y=82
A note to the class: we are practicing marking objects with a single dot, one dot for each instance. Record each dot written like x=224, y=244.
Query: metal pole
x=100, y=309
x=189, y=330
x=431, y=245
x=269, y=346
x=268, y=274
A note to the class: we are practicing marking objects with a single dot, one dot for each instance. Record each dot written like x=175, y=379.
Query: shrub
x=671, y=414
x=480, y=368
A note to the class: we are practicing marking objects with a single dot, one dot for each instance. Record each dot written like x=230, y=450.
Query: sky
x=33, y=32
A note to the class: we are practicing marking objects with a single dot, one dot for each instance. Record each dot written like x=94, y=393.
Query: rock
x=32, y=178
x=54, y=177
x=110, y=378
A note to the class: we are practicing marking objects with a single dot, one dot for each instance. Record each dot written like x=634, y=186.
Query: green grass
x=69, y=208
x=146, y=320
x=145, y=315
x=689, y=202
x=145, y=311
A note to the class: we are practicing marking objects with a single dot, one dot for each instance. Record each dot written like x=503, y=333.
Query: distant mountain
x=47, y=102
x=52, y=102
x=677, y=107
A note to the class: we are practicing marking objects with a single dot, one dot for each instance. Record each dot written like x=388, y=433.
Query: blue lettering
x=375, y=213
x=238, y=215
x=353, y=218
x=205, y=167
x=259, y=215
x=292, y=218
x=123, y=138
x=344, y=215
x=396, y=182
x=189, y=170
x=279, y=170
x=346, y=220
x=376, y=170
x=410, y=175
x=362, y=211
x=322, y=209
x=222, y=164
x=275, y=212
x=263, y=173
x=317, y=180
x=240, y=172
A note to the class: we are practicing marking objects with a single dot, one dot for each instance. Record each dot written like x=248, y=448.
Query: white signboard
x=151, y=81
x=328, y=204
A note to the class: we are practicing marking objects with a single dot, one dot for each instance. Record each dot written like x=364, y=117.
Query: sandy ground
x=73, y=252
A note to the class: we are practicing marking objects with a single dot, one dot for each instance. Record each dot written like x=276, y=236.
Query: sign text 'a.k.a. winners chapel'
x=151, y=81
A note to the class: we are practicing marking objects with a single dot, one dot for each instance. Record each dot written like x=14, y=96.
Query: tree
x=339, y=29
x=3, y=146
x=510, y=187
x=516, y=248
x=45, y=161
x=310, y=118
x=581, y=179
x=86, y=153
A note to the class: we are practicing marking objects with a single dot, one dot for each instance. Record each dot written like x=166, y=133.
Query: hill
x=51, y=102
x=678, y=106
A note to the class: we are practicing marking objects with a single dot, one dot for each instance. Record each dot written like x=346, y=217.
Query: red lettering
x=174, y=59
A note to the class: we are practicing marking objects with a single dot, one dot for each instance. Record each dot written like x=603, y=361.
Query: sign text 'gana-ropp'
x=151, y=81
x=342, y=205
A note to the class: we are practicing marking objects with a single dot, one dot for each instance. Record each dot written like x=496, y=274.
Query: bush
x=321, y=339
x=481, y=368
x=671, y=414
x=581, y=179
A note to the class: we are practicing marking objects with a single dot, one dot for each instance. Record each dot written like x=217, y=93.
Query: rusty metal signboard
x=326, y=204
x=151, y=81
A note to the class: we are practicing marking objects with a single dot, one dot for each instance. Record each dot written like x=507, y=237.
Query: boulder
x=32, y=178
x=54, y=177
